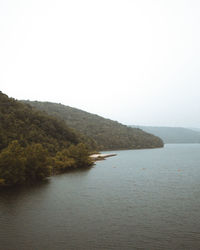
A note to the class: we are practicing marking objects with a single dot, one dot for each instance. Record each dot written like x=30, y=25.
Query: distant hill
x=108, y=134
x=173, y=134
x=195, y=129
x=34, y=145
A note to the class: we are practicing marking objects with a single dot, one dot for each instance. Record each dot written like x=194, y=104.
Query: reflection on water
x=140, y=199
x=10, y=195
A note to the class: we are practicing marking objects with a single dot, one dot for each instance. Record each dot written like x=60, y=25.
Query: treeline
x=104, y=133
x=33, y=145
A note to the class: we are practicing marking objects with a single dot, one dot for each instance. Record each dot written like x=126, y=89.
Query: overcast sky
x=134, y=61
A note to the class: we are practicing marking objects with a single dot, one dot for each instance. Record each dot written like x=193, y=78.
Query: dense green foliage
x=26, y=124
x=23, y=164
x=72, y=157
x=12, y=164
x=108, y=134
x=31, y=142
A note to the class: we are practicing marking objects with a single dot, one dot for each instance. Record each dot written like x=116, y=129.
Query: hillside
x=34, y=144
x=195, y=129
x=108, y=134
x=174, y=134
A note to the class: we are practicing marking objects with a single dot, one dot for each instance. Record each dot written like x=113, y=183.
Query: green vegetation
x=72, y=157
x=105, y=134
x=36, y=144
x=21, y=164
x=174, y=134
x=33, y=145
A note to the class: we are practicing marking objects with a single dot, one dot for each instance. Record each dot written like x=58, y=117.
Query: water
x=140, y=199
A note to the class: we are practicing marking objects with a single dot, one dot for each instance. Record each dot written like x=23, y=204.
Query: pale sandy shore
x=98, y=157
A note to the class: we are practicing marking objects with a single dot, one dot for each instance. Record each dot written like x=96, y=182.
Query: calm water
x=140, y=199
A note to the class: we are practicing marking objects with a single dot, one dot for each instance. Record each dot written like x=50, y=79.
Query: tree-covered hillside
x=34, y=144
x=108, y=134
x=174, y=134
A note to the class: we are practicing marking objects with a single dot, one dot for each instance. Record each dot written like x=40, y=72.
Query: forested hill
x=174, y=134
x=108, y=134
x=27, y=125
x=33, y=144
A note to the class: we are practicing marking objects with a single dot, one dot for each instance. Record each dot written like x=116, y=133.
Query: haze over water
x=140, y=199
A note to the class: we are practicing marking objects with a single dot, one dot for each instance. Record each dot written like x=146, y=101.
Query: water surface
x=139, y=199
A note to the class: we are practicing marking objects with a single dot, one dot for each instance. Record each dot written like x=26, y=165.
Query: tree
x=80, y=154
x=12, y=164
x=37, y=162
x=63, y=162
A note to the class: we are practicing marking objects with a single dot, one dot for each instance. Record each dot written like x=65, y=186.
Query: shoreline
x=100, y=157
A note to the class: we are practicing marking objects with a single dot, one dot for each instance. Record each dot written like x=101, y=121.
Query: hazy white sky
x=134, y=61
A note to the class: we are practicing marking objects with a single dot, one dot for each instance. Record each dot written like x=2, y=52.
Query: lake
x=139, y=199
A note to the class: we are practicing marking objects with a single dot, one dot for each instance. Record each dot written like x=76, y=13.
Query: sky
x=133, y=61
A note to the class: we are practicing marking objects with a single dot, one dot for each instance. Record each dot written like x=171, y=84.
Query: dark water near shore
x=139, y=199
